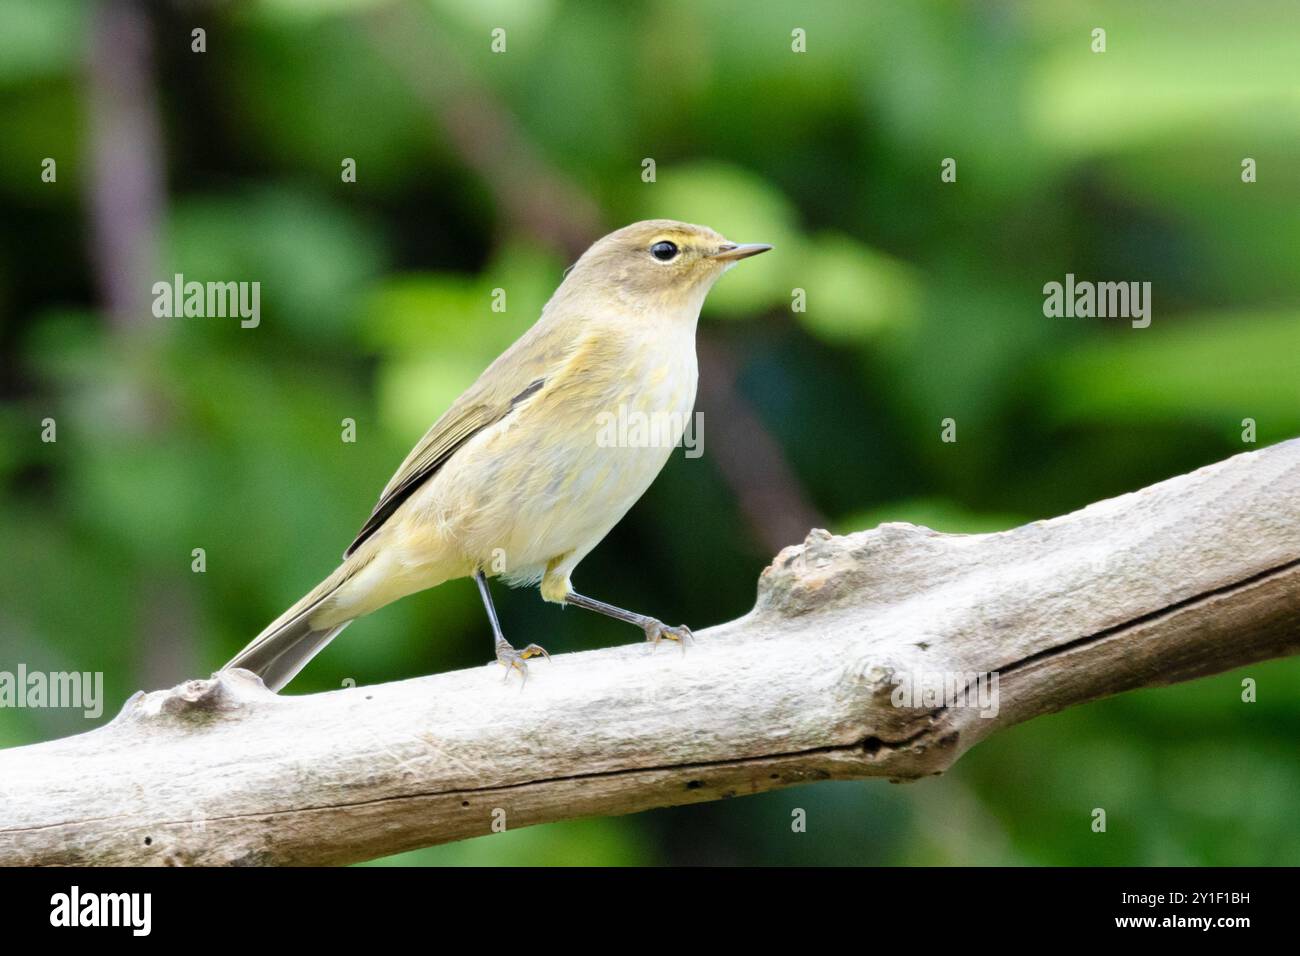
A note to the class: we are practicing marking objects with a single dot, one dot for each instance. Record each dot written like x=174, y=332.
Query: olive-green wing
x=520, y=372
x=438, y=444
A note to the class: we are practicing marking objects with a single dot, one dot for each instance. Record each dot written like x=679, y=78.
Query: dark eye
x=663, y=251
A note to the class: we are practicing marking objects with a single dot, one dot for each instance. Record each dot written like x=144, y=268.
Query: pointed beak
x=732, y=251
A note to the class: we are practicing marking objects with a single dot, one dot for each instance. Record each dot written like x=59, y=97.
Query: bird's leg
x=507, y=656
x=655, y=629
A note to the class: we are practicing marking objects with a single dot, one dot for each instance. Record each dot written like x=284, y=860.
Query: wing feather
x=518, y=374
x=438, y=445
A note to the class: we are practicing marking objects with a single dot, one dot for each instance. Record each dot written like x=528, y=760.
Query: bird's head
x=658, y=263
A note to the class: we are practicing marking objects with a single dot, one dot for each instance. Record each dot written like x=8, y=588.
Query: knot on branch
x=866, y=569
x=906, y=739
x=224, y=694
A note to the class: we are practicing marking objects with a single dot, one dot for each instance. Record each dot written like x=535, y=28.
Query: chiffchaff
x=514, y=481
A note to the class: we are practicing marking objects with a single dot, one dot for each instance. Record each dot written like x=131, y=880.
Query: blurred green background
x=479, y=170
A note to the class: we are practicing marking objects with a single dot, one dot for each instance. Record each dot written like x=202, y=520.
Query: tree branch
x=1193, y=576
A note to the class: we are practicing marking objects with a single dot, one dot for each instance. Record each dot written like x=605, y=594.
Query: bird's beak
x=732, y=251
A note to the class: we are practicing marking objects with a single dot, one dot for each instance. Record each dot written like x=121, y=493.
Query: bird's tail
x=290, y=641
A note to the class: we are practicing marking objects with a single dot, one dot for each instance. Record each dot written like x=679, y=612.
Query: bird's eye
x=663, y=251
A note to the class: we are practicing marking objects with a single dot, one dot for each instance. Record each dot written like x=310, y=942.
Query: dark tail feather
x=284, y=648
x=279, y=657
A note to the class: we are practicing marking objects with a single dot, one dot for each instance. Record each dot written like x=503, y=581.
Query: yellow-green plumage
x=512, y=479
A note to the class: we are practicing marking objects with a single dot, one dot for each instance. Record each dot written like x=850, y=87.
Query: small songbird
x=517, y=480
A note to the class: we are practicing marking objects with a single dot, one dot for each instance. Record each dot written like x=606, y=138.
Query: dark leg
x=655, y=630
x=507, y=656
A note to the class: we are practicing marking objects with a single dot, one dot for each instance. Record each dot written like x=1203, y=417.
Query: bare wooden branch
x=1189, y=577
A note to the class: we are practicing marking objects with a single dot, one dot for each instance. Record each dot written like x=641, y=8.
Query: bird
x=517, y=480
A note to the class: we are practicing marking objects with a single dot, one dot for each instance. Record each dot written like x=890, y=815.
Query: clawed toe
x=513, y=660
x=657, y=631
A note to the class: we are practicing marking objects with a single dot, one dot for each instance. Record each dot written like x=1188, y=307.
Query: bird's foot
x=657, y=631
x=513, y=660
